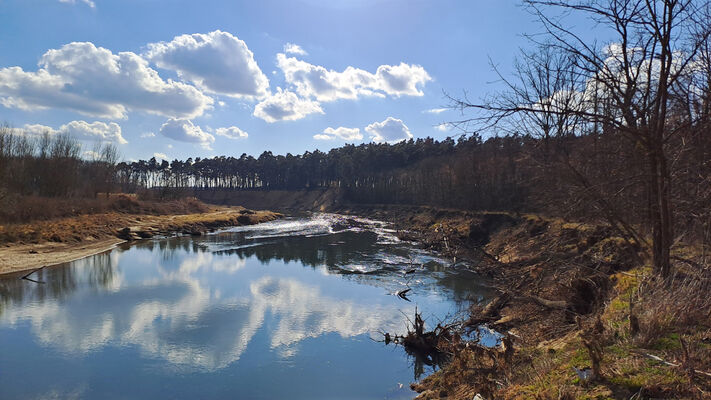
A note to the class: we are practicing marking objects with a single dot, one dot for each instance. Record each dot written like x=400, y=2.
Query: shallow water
x=292, y=308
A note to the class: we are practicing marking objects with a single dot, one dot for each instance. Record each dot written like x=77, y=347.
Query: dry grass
x=60, y=222
x=681, y=305
x=22, y=209
x=552, y=259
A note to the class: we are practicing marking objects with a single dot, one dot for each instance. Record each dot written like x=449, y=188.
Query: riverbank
x=580, y=312
x=37, y=244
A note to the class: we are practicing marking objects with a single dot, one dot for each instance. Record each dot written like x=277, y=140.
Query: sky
x=178, y=79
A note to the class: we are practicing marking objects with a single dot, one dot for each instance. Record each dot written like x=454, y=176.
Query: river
x=293, y=308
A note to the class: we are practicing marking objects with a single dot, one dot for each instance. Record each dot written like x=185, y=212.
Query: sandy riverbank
x=57, y=241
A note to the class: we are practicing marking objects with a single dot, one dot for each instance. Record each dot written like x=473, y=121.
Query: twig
x=657, y=358
x=26, y=276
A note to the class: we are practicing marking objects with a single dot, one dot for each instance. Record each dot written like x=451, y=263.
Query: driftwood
x=503, y=320
x=553, y=304
x=492, y=309
x=490, y=312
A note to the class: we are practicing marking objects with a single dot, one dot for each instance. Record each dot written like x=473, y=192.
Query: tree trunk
x=662, y=230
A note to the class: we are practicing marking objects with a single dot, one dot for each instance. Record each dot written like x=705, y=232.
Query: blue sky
x=203, y=78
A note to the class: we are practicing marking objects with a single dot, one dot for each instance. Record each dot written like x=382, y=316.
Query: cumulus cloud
x=285, y=106
x=87, y=2
x=91, y=155
x=392, y=130
x=93, y=81
x=183, y=130
x=35, y=130
x=81, y=130
x=402, y=80
x=217, y=62
x=161, y=156
x=328, y=85
x=341, y=132
x=231, y=132
x=443, y=127
x=99, y=130
x=291, y=48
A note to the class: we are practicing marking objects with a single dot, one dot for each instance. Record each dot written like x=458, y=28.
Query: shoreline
x=554, y=279
x=46, y=255
x=562, y=301
x=82, y=236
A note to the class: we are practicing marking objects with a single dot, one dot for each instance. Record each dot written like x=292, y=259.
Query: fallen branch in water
x=423, y=344
x=403, y=294
x=27, y=275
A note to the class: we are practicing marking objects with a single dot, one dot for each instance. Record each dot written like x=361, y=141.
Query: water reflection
x=201, y=304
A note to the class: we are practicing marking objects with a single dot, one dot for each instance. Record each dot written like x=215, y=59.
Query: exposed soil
x=275, y=200
x=36, y=244
x=565, y=299
x=572, y=297
x=16, y=209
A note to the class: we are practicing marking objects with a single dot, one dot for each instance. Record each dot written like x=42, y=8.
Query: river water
x=293, y=308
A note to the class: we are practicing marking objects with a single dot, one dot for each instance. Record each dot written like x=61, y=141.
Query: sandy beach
x=77, y=237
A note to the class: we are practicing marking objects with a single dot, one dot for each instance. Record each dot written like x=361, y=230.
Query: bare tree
x=625, y=86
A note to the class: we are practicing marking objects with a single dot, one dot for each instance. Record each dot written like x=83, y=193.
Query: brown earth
x=41, y=243
x=278, y=200
x=570, y=295
x=16, y=209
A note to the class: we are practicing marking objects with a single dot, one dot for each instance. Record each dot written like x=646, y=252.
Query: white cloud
x=183, y=130
x=392, y=130
x=161, y=156
x=231, y=132
x=350, y=134
x=87, y=2
x=91, y=155
x=217, y=62
x=328, y=85
x=325, y=85
x=35, y=130
x=285, y=106
x=291, y=48
x=93, y=81
x=110, y=132
x=435, y=110
x=81, y=130
x=402, y=80
x=148, y=135
x=443, y=127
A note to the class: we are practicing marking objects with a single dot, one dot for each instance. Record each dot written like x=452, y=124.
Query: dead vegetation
x=579, y=312
x=22, y=209
x=127, y=218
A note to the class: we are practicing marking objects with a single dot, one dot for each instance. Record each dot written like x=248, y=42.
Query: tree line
x=51, y=165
